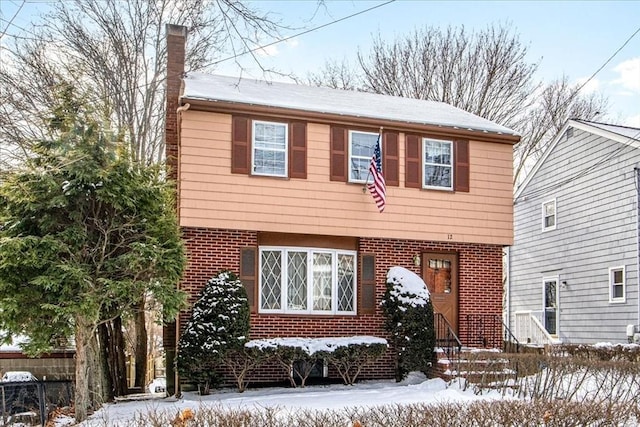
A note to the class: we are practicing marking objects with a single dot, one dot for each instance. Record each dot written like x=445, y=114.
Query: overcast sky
x=574, y=38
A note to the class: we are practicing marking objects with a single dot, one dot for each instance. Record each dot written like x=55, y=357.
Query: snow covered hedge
x=298, y=356
x=408, y=315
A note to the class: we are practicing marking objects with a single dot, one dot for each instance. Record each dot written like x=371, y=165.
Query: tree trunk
x=141, y=345
x=120, y=368
x=82, y=399
x=112, y=343
x=109, y=386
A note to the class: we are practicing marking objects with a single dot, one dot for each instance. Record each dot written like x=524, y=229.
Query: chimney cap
x=176, y=30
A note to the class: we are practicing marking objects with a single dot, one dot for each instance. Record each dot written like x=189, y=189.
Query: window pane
x=322, y=269
x=297, y=281
x=437, y=152
x=345, y=282
x=550, y=294
x=362, y=144
x=359, y=168
x=549, y=221
x=271, y=275
x=269, y=148
x=618, y=291
x=617, y=276
x=549, y=209
x=437, y=176
x=269, y=162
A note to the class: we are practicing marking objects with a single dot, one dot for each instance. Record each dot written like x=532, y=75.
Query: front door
x=440, y=273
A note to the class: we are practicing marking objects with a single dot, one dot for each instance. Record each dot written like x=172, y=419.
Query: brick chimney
x=176, y=45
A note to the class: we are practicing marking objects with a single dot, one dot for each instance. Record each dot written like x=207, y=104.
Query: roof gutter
x=332, y=118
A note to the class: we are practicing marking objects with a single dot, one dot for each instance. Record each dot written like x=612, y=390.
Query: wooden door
x=440, y=273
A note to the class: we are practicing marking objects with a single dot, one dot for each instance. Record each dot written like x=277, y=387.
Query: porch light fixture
x=416, y=260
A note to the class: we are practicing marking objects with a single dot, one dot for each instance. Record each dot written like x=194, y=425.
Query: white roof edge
x=600, y=131
x=578, y=124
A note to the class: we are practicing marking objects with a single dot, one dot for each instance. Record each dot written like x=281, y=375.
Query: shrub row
x=570, y=373
x=299, y=356
x=478, y=413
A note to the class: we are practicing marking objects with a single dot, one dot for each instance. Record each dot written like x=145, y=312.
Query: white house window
x=269, y=148
x=307, y=280
x=617, y=285
x=549, y=215
x=437, y=164
x=361, y=146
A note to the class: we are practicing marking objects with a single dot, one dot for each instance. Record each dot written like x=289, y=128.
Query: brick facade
x=480, y=287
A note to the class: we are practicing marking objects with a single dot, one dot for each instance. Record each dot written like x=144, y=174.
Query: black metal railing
x=489, y=331
x=30, y=402
x=445, y=336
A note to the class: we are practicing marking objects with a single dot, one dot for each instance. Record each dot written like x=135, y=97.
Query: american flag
x=377, y=188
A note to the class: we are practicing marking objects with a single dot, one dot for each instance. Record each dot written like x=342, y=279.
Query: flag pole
x=364, y=187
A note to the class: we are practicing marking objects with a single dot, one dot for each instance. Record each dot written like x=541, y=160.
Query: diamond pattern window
x=307, y=280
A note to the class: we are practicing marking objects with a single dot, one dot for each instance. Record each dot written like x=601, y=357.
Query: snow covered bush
x=217, y=330
x=408, y=315
x=299, y=356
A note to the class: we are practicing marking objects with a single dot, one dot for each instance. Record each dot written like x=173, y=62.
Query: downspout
x=507, y=285
x=637, y=183
x=179, y=110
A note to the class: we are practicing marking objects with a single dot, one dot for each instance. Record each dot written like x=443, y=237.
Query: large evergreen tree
x=85, y=233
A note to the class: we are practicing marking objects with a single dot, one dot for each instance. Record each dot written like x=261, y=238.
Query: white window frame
x=366, y=158
x=285, y=173
x=544, y=215
x=555, y=279
x=612, y=299
x=424, y=164
x=334, y=279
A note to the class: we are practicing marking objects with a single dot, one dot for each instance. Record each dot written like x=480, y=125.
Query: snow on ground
x=415, y=389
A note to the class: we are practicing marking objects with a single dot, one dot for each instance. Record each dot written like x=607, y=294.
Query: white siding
x=593, y=181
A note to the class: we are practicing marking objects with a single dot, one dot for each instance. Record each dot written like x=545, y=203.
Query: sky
x=572, y=38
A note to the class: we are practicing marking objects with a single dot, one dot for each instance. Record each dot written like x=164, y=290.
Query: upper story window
x=437, y=164
x=307, y=280
x=617, y=285
x=549, y=215
x=361, y=146
x=269, y=148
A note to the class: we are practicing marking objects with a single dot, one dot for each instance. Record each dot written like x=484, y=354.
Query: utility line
x=300, y=34
x=12, y=18
x=246, y=51
x=596, y=165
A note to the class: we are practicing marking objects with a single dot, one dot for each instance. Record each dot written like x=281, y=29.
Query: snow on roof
x=314, y=345
x=334, y=101
x=409, y=287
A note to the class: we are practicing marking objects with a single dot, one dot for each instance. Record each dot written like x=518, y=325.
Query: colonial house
x=271, y=184
x=573, y=267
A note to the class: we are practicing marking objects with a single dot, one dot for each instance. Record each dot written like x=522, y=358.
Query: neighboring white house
x=573, y=267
